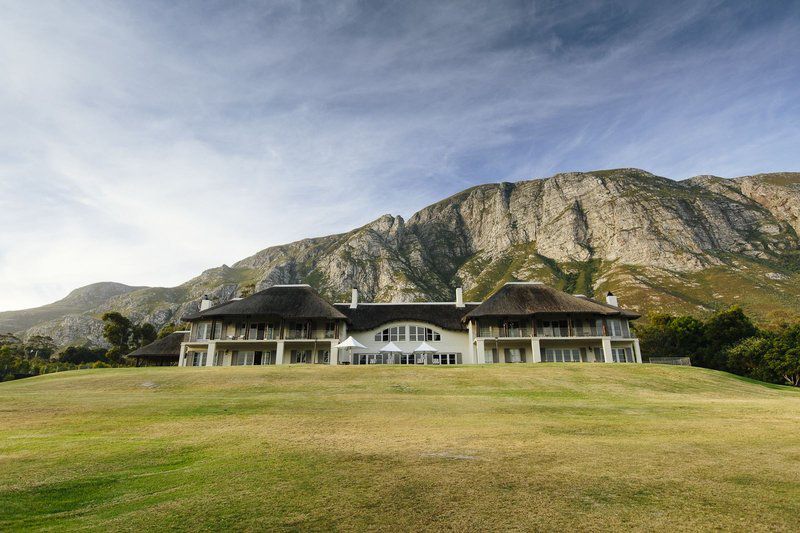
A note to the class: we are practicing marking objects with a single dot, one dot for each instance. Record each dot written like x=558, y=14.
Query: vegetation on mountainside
x=529, y=447
x=727, y=340
x=40, y=355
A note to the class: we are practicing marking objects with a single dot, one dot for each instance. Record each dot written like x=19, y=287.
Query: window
x=614, y=328
x=219, y=358
x=423, y=334
x=515, y=355
x=324, y=357
x=301, y=356
x=489, y=355
x=330, y=330
x=444, y=359
x=396, y=333
x=196, y=359
x=622, y=355
x=553, y=328
x=202, y=330
x=242, y=358
x=565, y=355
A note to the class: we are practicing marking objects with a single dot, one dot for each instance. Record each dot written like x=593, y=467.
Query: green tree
x=723, y=330
x=118, y=331
x=172, y=328
x=40, y=346
x=784, y=358
x=144, y=333
x=81, y=354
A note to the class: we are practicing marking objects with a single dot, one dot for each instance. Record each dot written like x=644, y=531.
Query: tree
x=747, y=358
x=118, y=331
x=723, y=330
x=81, y=354
x=784, y=358
x=172, y=328
x=41, y=346
x=144, y=333
x=671, y=336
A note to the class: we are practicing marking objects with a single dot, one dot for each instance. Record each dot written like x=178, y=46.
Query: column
x=279, y=353
x=480, y=352
x=182, y=356
x=637, y=351
x=607, y=356
x=536, y=349
x=212, y=351
x=334, y=358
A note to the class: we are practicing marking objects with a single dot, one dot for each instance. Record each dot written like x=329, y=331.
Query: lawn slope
x=524, y=447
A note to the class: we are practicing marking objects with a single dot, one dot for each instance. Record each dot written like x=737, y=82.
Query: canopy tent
x=348, y=344
x=391, y=348
x=425, y=348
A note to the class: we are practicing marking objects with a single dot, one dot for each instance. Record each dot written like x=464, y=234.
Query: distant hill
x=689, y=246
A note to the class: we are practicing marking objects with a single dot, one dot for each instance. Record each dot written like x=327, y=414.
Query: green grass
x=527, y=447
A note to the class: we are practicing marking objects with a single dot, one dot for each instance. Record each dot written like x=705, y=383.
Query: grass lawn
x=525, y=447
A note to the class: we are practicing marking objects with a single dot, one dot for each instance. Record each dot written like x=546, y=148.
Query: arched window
x=421, y=333
x=396, y=333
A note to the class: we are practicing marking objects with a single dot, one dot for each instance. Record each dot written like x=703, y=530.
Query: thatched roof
x=285, y=301
x=167, y=347
x=525, y=299
x=368, y=316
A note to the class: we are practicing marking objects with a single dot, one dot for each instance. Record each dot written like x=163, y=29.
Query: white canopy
x=350, y=342
x=425, y=348
x=391, y=348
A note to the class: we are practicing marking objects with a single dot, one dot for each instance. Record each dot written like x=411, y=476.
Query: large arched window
x=421, y=333
x=415, y=333
x=396, y=333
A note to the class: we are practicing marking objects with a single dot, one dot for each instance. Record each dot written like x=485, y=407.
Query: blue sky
x=143, y=142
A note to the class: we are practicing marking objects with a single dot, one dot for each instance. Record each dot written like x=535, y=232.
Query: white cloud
x=143, y=143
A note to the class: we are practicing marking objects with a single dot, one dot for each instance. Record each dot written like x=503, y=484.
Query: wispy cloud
x=144, y=142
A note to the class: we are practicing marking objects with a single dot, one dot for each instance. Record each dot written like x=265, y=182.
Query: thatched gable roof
x=525, y=299
x=167, y=347
x=285, y=301
x=370, y=316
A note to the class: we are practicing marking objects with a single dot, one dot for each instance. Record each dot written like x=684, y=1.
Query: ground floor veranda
x=558, y=350
x=482, y=351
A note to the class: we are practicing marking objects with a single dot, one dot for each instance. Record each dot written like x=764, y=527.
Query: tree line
x=727, y=340
x=39, y=354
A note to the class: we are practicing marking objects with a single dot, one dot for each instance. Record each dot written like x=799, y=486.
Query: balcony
x=316, y=334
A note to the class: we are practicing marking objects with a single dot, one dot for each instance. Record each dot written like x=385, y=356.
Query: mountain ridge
x=662, y=245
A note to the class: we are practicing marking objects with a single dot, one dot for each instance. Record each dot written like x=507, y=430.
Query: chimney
x=354, y=299
x=459, y=297
x=205, y=303
x=611, y=299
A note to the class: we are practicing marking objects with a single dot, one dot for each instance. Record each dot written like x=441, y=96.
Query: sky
x=144, y=142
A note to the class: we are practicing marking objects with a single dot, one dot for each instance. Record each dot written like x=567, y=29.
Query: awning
x=350, y=342
x=391, y=348
x=425, y=348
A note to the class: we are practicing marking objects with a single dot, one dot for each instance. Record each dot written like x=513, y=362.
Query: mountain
x=661, y=245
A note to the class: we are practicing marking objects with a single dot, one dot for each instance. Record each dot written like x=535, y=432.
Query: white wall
x=452, y=341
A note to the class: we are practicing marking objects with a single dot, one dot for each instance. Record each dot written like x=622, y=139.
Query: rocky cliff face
x=689, y=246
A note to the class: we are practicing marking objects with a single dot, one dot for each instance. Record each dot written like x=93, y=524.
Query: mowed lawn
x=524, y=447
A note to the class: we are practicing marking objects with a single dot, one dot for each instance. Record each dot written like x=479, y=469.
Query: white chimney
x=459, y=297
x=611, y=299
x=205, y=303
x=354, y=299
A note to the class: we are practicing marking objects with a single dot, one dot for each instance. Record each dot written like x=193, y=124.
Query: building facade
x=520, y=323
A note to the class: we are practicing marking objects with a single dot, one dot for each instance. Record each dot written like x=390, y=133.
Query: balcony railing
x=551, y=332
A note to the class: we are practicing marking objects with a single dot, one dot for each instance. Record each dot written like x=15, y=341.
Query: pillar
x=279, y=353
x=212, y=351
x=334, y=358
x=480, y=352
x=536, y=349
x=637, y=351
x=182, y=356
x=607, y=356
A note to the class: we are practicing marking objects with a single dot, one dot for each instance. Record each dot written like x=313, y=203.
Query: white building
x=520, y=323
